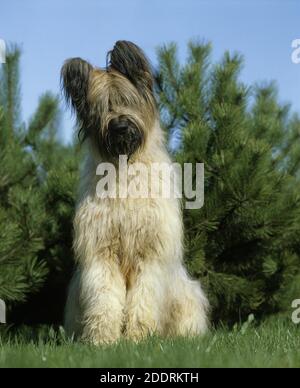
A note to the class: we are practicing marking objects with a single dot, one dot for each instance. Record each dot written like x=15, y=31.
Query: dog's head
x=115, y=107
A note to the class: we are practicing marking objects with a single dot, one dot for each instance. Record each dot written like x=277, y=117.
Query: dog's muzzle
x=122, y=138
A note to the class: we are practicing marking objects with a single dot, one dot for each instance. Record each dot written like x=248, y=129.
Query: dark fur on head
x=75, y=75
x=115, y=107
x=129, y=59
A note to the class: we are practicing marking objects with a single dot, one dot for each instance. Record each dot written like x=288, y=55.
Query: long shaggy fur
x=130, y=279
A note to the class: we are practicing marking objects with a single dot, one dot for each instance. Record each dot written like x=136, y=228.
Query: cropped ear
x=75, y=75
x=129, y=59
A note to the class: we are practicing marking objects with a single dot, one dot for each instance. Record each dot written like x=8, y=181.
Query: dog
x=130, y=280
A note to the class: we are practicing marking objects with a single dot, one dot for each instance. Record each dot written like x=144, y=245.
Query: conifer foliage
x=37, y=178
x=244, y=243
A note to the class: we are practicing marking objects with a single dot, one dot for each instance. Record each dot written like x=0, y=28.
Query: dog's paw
x=98, y=332
x=137, y=330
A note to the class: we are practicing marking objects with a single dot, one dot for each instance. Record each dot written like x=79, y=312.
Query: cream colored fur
x=130, y=279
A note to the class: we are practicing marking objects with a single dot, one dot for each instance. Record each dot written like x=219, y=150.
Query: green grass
x=273, y=344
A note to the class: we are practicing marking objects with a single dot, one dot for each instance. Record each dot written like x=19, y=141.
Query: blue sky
x=52, y=30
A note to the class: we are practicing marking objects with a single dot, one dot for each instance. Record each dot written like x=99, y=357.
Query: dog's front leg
x=102, y=300
x=97, y=293
x=145, y=302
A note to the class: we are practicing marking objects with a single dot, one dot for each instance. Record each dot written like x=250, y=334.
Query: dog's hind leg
x=188, y=306
x=72, y=313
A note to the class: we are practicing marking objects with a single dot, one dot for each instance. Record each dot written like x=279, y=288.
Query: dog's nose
x=118, y=126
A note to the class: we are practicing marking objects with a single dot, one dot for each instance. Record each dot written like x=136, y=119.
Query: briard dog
x=130, y=278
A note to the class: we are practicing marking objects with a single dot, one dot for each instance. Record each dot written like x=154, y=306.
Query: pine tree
x=244, y=243
x=37, y=180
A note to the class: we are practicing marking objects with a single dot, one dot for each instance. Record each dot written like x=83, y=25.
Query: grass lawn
x=273, y=344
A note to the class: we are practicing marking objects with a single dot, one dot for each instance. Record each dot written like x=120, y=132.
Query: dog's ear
x=129, y=59
x=75, y=75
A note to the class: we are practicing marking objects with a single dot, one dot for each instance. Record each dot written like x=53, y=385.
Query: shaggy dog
x=130, y=279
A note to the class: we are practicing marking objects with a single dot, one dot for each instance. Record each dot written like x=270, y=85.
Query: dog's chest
x=135, y=226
